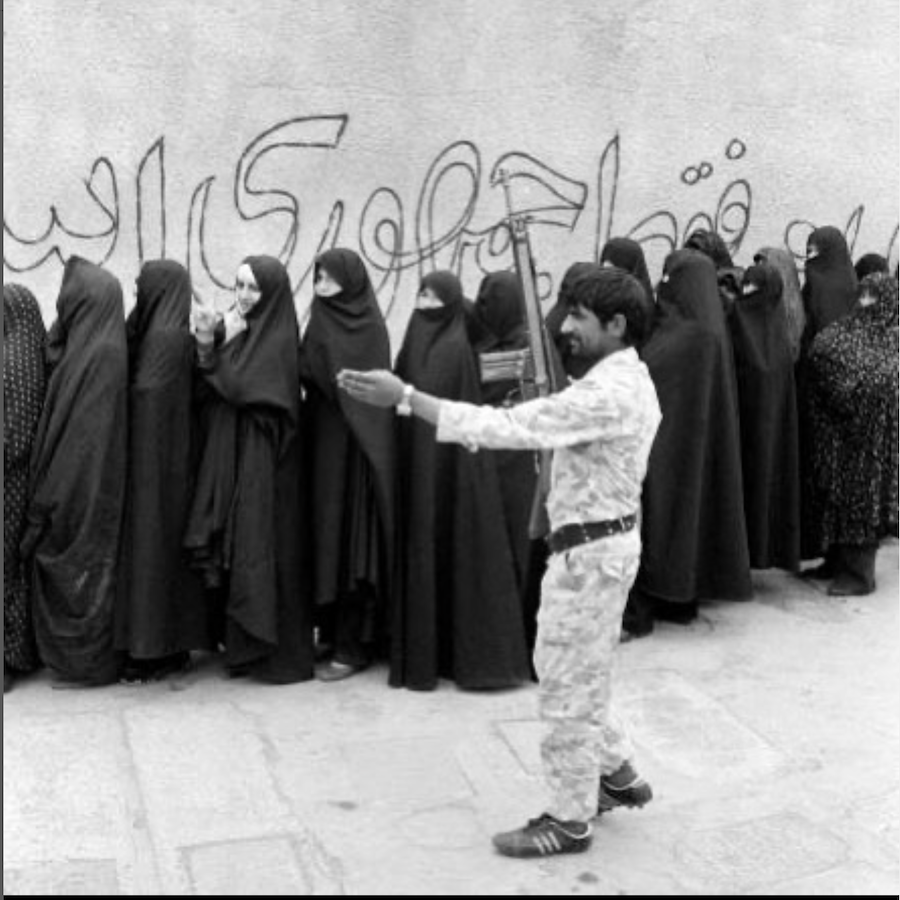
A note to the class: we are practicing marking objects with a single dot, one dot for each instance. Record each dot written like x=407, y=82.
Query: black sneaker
x=544, y=836
x=636, y=793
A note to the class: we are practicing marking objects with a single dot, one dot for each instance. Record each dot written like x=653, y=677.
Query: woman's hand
x=377, y=387
x=205, y=321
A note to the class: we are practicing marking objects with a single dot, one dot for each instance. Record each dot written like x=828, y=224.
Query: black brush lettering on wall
x=456, y=219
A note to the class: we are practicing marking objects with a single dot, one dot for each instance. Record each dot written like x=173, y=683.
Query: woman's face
x=867, y=298
x=428, y=299
x=325, y=285
x=247, y=292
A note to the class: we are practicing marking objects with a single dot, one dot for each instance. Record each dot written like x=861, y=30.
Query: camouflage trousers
x=583, y=595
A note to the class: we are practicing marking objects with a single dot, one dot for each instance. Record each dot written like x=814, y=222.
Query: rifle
x=532, y=367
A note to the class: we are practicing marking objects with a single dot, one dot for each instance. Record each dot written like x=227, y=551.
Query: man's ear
x=617, y=325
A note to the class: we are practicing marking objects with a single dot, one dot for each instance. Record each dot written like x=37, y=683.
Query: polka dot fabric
x=24, y=384
x=853, y=412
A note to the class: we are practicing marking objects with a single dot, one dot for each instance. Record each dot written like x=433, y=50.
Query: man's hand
x=377, y=387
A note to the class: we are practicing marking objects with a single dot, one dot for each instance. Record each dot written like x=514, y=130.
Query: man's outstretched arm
x=546, y=423
x=379, y=387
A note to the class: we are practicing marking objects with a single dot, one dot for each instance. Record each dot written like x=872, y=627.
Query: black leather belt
x=569, y=536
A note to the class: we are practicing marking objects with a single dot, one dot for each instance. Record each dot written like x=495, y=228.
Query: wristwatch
x=403, y=407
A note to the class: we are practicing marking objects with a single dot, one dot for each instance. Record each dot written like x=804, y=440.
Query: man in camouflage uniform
x=601, y=428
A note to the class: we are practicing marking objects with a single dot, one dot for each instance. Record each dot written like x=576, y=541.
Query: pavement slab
x=770, y=731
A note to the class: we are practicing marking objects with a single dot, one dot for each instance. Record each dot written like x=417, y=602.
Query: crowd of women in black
x=180, y=481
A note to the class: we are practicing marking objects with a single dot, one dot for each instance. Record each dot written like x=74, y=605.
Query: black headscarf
x=432, y=325
x=626, y=254
x=829, y=291
x=458, y=613
x=78, y=471
x=259, y=367
x=712, y=245
x=854, y=410
x=791, y=298
x=24, y=385
x=686, y=288
x=161, y=609
x=694, y=531
x=728, y=275
x=245, y=516
x=348, y=332
x=768, y=417
x=344, y=331
x=870, y=264
x=501, y=310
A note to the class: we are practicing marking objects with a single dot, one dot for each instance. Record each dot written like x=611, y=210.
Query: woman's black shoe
x=147, y=671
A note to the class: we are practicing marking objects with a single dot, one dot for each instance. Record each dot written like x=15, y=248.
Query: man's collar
x=625, y=356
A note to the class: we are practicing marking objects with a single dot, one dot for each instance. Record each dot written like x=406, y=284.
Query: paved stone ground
x=770, y=731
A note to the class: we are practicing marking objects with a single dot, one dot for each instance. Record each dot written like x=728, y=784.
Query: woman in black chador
x=350, y=459
x=245, y=529
x=693, y=529
x=768, y=415
x=161, y=610
x=829, y=291
x=78, y=470
x=24, y=384
x=853, y=412
x=458, y=615
x=500, y=310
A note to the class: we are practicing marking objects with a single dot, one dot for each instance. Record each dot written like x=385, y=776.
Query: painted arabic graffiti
x=58, y=240
x=457, y=220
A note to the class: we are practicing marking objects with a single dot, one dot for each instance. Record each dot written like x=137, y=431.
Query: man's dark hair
x=609, y=291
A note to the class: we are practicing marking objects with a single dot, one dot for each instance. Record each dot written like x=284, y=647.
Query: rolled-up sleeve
x=575, y=416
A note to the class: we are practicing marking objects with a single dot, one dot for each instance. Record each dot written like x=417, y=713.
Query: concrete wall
x=211, y=129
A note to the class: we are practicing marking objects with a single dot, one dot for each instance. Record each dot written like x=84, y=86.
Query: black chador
x=350, y=453
x=161, y=612
x=78, y=470
x=768, y=414
x=693, y=529
x=459, y=614
x=245, y=530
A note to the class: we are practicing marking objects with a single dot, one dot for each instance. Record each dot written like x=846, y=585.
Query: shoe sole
x=537, y=853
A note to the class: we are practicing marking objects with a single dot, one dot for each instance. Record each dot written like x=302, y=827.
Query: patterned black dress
x=24, y=384
x=853, y=414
